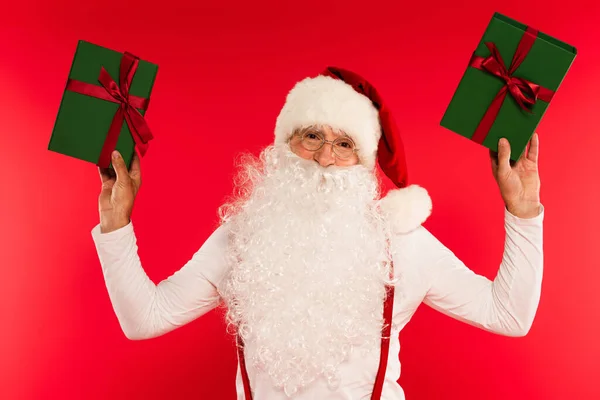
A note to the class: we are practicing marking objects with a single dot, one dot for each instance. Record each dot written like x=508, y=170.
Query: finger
x=135, y=170
x=504, y=163
x=494, y=156
x=534, y=148
x=108, y=181
x=106, y=174
x=494, y=160
x=120, y=167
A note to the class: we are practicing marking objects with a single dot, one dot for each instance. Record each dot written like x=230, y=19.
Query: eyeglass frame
x=302, y=132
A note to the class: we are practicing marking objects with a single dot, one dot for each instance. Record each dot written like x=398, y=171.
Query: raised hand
x=519, y=181
x=119, y=188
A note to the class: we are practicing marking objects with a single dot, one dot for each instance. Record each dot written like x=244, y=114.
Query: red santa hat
x=345, y=101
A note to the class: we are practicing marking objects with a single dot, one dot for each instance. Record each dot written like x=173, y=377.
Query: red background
x=224, y=71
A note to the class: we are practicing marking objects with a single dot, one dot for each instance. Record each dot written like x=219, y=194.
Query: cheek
x=301, y=151
x=349, y=162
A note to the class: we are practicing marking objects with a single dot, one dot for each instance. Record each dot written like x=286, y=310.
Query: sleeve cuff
x=115, y=235
x=509, y=217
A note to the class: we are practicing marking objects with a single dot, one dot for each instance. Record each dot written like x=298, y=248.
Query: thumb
x=120, y=167
x=504, y=155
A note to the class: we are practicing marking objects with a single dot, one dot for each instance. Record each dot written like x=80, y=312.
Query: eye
x=345, y=144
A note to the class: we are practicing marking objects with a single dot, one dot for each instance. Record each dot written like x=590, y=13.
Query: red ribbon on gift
x=128, y=106
x=525, y=93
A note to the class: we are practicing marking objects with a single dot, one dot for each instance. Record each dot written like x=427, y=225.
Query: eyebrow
x=339, y=133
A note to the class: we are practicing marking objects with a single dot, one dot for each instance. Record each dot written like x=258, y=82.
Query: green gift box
x=102, y=108
x=508, y=84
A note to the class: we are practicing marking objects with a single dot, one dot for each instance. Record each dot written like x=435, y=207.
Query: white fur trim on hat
x=329, y=101
x=407, y=208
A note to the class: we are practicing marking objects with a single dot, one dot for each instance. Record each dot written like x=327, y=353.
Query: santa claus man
x=317, y=271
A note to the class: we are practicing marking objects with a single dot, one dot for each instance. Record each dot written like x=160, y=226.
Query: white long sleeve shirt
x=431, y=273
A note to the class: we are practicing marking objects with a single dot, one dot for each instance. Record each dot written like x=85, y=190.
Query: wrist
x=113, y=225
x=525, y=211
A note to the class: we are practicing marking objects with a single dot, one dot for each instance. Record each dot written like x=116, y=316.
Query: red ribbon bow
x=524, y=92
x=128, y=106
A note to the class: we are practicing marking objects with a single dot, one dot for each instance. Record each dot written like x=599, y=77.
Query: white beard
x=308, y=264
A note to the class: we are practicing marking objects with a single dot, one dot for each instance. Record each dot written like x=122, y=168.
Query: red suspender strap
x=388, y=311
x=247, y=391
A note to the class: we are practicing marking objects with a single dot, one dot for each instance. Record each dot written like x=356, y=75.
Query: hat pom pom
x=406, y=208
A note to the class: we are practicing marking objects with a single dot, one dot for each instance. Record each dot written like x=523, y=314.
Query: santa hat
x=345, y=101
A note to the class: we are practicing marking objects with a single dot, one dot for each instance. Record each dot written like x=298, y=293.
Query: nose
x=325, y=156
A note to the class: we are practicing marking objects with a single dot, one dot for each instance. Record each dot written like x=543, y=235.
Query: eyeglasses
x=343, y=147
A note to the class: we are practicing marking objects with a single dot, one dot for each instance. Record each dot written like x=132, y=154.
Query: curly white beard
x=308, y=265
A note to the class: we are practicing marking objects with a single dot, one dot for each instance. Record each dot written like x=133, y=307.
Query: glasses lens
x=312, y=141
x=344, y=148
